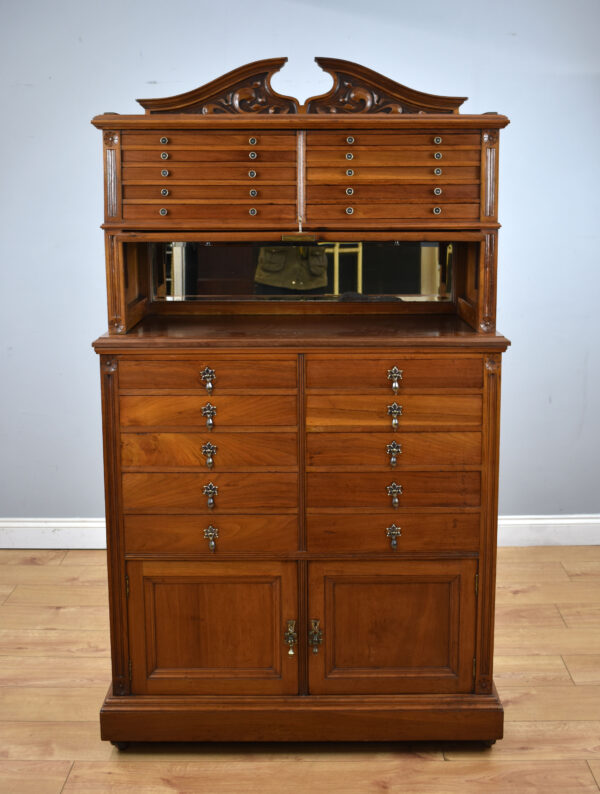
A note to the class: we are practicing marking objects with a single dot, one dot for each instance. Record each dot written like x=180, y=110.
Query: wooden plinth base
x=302, y=719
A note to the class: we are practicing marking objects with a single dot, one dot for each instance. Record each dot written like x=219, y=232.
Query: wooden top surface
x=285, y=331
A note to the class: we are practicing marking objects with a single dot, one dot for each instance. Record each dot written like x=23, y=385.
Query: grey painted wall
x=63, y=62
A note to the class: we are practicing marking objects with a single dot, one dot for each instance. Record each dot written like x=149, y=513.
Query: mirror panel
x=361, y=271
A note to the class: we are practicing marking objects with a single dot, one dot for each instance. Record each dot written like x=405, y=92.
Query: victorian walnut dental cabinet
x=300, y=391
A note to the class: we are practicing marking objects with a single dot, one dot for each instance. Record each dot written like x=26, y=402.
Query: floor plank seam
x=67, y=777
x=594, y=778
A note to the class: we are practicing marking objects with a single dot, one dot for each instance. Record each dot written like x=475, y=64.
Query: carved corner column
x=112, y=175
x=115, y=294
x=489, y=175
x=112, y=489
x=488, y=268
x=489, y=525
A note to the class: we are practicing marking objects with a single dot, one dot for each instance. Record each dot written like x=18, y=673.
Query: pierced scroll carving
x=357, y=89
x=244, y=90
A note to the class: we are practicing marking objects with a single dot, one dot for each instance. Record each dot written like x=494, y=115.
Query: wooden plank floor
x=54, y=671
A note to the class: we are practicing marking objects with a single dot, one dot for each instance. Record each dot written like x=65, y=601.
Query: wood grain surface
x=51, y=687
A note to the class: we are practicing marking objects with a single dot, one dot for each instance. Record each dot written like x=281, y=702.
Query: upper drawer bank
x=428, y=176
x=234, y=179
x=208, y=179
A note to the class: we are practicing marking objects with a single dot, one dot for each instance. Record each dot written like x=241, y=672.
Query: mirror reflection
x=335, y=271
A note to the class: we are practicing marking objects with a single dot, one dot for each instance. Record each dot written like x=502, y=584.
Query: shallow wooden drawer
x=272, y=140
x=230, y=452
x=385, y=139
x=225, y=214
x=348, y=212
x=369, y=412
x=382, y=157
x=185, y=534
x=369, y=489
x=184, y=493
x=229, y=373
x=365, y=374
x=383, y=193
x=435, y=532
x=208, y=155
x=221, y=172
x=369, y=450
x=212, y=192
x=390, y=174
x=186, y=411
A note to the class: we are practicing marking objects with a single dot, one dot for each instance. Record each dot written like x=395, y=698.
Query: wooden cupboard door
x=393, y=627
x=212, y=628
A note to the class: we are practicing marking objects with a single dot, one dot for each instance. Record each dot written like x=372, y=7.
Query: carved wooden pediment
x=355, y=89
x=243, y=90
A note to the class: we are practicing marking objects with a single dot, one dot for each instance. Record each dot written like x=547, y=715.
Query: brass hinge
x=476, y=584
x=127, y=586
x=130, y=671
x=474, y=666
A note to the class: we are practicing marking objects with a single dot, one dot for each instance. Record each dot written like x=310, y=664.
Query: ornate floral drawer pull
x=394, y=410
x=211, y=534
x=393, y=533
x=393, y=450
x=394, y=490
x=211, y=491
x=209, y=411
x=209, y=451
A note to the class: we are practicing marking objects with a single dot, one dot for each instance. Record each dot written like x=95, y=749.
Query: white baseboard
x=52, y=533
x=89, y=533
x=575, y=530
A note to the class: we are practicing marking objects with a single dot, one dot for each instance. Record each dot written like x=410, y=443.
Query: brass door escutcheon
x=315, y=636
x=291, y=637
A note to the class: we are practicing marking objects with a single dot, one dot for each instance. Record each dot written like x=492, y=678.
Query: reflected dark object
x=320, y=271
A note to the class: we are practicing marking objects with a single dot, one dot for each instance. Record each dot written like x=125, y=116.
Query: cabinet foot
x=120, y=745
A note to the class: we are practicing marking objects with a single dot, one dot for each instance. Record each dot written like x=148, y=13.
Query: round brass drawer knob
x=251, y=174
x=437, y=191
x=252, y=141
x=163, y=212
x=349, y=210
x=437, y=171
x=350, y=139
x=349, y=191
x=164, y=140
x=164, y=172
x=437, y=139
x=253, y=211
x=437, y=210
x=164, y=192
x=349, y=172
x=349, y=156
x=164, y=155
x=252, y=155
x=253, y=193
x=438, y=155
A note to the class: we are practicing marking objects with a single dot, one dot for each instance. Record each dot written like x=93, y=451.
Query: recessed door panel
x=392, y=627
x=212, y=628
